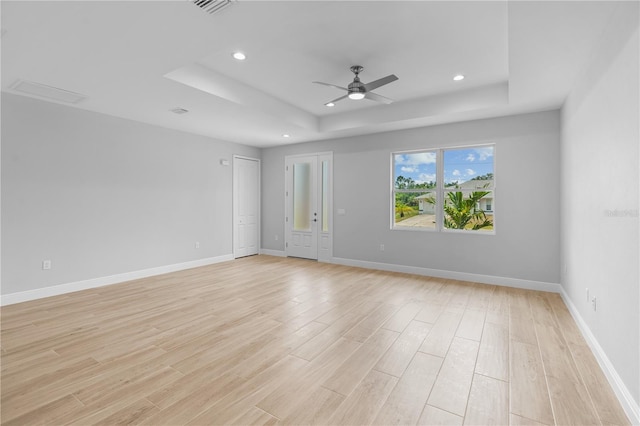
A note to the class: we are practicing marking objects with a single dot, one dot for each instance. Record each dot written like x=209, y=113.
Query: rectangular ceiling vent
x=212, y=6
x=46, y=92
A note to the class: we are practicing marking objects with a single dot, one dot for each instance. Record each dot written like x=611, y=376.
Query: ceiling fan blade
x=380, y=82
x=377, y=98
x=330, y=85
x=337, y=99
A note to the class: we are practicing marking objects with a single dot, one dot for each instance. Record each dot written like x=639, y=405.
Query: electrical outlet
x=197, y=245
x=46, y=264
x=588, y=299
x=593, y=303
x=381, y=247
x=276, y=237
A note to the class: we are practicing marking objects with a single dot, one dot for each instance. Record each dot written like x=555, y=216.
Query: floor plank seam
x=78, y=399
x=491, y=377
x=267, y=412
x=544, y=369
x=581, y=376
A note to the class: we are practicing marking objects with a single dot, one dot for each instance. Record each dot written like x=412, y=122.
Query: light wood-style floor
x=266, y=340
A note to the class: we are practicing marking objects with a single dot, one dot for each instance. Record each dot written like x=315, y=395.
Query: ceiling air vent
x=46, y=92
x=212, y=6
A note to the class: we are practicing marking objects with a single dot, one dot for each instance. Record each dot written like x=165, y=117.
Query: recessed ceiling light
x=239, y=56
x=179, y=110
x=330, y=104
x=458, y=77
x=286, y=135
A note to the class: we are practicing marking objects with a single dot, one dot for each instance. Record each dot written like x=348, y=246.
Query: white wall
x=101, y=196
x=526, y=243
x=600, y=150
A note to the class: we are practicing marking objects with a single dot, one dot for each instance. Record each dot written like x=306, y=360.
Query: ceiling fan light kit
x=357, y=90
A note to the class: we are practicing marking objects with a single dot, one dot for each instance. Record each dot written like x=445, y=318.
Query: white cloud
x=484, y=153
x=456, y=172
x=416, y=159
x=426, y=177
x=409, y=169
x=470, y=172
x=471, y=157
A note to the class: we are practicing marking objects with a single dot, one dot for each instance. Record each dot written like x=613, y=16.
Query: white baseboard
x=25, y=296
x=629, y=405
x=277, y=253
x=462, y=276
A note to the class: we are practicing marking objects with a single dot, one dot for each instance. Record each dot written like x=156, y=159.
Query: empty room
x=243, y=212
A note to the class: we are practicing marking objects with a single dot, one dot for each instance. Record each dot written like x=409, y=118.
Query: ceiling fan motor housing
x=356, y=86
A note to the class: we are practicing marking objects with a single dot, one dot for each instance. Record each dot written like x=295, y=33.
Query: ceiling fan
x=358, y=90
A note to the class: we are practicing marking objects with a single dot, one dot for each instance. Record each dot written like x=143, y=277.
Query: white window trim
x=440, y=191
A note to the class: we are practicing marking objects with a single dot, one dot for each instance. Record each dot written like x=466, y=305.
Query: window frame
x=440, y=191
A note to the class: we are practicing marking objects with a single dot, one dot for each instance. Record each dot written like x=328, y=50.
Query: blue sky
x=459, y=164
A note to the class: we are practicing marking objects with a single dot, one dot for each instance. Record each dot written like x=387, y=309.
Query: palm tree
x=401, y=209
x=461, y=212
x=404, y=182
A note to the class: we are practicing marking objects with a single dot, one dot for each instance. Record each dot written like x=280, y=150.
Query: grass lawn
x=407, y=215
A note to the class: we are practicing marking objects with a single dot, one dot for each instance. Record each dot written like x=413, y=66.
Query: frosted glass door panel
x=302, y=197
x=325, y=196
x=301, y=223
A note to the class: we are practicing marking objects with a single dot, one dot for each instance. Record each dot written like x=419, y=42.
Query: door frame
x=235, y=202
x=325, y=239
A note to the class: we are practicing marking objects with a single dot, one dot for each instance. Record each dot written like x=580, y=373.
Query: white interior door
x=308, y=211
x=246, y=206
x=302, y=216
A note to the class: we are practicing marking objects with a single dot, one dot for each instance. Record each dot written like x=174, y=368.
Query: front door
x=301, y=219
x=309, y=201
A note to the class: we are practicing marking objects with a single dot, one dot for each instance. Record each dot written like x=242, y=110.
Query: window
x=415, y=189
x=444, y=189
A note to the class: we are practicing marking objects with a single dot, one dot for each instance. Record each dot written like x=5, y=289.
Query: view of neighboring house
x=426, y=205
